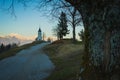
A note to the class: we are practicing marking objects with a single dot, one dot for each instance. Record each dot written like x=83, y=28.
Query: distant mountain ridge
x=13, y=39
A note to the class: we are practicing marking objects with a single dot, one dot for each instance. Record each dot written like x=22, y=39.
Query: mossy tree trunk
x=101, y=18
x=74, y=34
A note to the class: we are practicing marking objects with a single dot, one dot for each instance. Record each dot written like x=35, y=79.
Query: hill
x=67, y=58
x=13, y=51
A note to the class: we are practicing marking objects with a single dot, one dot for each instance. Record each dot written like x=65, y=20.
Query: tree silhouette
x=81, y=35
x=74, y=19
x=56, y=32
x=2, y=48
x=62, y=25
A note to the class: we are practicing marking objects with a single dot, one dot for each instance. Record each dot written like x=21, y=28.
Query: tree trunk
x=101, y=16
x=107, y=50
x=61, y=37
x=74, y=35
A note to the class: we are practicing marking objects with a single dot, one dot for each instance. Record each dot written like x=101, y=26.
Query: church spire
x=39, y=34
x=39, y=30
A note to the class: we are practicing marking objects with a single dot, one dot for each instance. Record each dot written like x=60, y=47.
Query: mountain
x=10, y=39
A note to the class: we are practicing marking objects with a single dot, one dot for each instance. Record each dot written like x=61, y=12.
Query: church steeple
x=39, y=34
x=39, y=30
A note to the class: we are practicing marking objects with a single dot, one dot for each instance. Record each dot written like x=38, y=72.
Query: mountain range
x=10, y=39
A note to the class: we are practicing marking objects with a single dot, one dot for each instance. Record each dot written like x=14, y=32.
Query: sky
x=27, y=22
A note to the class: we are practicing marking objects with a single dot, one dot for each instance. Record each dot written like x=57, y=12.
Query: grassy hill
x=67, y=58
x=15, y=50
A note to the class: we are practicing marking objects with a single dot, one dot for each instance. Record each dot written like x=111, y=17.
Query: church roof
x=39, y=30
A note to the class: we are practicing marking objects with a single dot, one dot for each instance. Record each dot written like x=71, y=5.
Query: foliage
x=49, y=39
x=62, y=26
x=56, y=31
x=81, y=35
x=4, y=48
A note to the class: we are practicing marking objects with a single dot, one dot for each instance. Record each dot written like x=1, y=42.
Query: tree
x=49, y=39
x=8, y=46
x=62, y=25
x=56, y=32
x=72, y=14
x=14, y=45
x=5, y=47
x=81, y=35
x=102, y=32
x=74, y=20
x=2, y=47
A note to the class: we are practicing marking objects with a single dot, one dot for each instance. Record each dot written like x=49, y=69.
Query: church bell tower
x=39, y=35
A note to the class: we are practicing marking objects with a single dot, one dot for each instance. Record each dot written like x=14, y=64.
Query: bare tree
x=10, y=6
x=73, y=16
x=56, y=32
x=74, y=20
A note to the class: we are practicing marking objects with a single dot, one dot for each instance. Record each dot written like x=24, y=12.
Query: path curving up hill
x=28, y=64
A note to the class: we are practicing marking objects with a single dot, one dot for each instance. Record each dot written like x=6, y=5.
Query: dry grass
x=15, y=50
x=67, y=58
x=69, y=49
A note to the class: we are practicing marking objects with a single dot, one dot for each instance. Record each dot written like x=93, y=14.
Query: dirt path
x=29, y=64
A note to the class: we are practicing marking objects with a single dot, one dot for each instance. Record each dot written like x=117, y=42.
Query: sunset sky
x=27, y=23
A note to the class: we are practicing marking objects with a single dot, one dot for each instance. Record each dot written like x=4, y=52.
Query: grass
x=15, y=50
x=67, y=58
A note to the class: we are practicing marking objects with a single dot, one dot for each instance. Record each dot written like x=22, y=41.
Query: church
x=39, y=38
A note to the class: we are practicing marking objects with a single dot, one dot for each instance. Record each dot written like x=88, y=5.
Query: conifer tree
x=62, y=25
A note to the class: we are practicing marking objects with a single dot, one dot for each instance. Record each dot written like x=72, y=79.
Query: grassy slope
x=13, y=51
x=67, y=58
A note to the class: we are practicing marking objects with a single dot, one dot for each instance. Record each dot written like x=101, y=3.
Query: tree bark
x=74, y=35
x=107, y=50
x=98, y=17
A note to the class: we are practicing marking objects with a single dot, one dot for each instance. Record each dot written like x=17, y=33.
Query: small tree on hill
x=2, y=48
x=81, y=35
